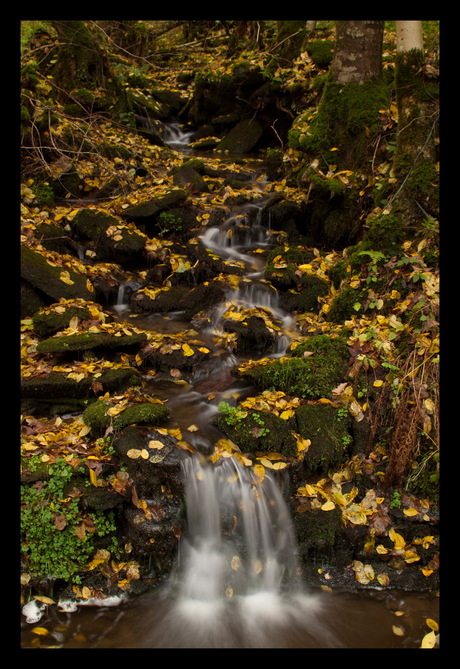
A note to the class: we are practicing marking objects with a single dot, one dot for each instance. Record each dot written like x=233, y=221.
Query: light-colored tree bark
x=409, y=35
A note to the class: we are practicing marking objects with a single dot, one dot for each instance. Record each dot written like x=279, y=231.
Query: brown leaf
x=60, y=521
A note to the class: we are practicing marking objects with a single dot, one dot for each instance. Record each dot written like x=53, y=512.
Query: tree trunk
x=358, y=51
x=82, y=68
x=415, y=157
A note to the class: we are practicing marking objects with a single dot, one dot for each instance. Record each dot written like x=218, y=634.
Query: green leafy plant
x=57, y=536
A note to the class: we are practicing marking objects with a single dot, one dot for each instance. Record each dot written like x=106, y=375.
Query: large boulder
x=55, y=281
x=242, y=138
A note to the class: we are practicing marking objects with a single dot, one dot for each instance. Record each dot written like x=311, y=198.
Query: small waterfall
x=236, y=239
x=175, y=136
x=124, y=291
x=236, y=582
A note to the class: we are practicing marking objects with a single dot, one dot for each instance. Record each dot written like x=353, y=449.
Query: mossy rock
x=259, y=432
x=147, y=211
x=96, y=416
x=48, y=278
x=242, y=138
x=328, y=432
x=48, y=322
x=56, y=384
x=120, y=247
x=306, y=298
x=84, y=341
x=185, y=176
x=343, y=305
x=282, y=263
x=309, y=377
x=316, y=533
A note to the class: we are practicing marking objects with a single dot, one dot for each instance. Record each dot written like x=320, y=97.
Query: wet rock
x=113, y=241
x=97, y=416
x=329, y=434
x=54, y=281
x=84, y=341
x=253, y=336
x=63, y=393
x=243, y=138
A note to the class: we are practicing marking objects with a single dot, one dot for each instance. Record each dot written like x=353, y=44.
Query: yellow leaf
x=134, y=453
x=48, y=600
x=397, y=539
x=154, y=443
x=259, y=471
x=328, y=506
x=64, y=276
x=287, y=414
x=235, y=563
x=93, y=477
x=378, y=383
x=410, y=511
x=429, y=640
x=432, y=624
x=398, y=630
x=41, y=631
x=187, y=350
x=383, y=579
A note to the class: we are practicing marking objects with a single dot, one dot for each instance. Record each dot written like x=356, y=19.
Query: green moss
x=312, y=377
x=343, y=305
x=48, y=322
x=255, y=431
x=327, y=429
x=321, y=52
x=84, y=341
x=96, y=416
x=346, y=119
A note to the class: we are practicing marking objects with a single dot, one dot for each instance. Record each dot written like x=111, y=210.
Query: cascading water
x=175, y=136
x=236, y=581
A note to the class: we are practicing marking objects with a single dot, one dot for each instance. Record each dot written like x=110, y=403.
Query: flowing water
x=236, y=582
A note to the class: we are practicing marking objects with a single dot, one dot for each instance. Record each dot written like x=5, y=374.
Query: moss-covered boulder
x=255, y=431
x=305, y=298
x=313, y=370
x=114, y=241
x=145, y=213
x=59, y=391
x=187, y=177
x=53, y=280
x=328, y=430
x=242, y=138
x=98, y=417
x=282, y=263
x=85, y=341
x=47, y=322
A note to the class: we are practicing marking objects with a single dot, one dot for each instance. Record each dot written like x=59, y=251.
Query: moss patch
x=96, y=416
x=312, y=376
x=327, y=430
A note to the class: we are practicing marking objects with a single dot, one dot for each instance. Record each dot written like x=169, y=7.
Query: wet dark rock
x=56, y=384
x=252, y=335
x=84, y=341
x=329, y=434
x=145, y=213
x=243, y=138
x=48, y=278
x=122, y=246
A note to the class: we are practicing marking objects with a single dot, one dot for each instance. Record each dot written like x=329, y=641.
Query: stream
x=236, y=583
